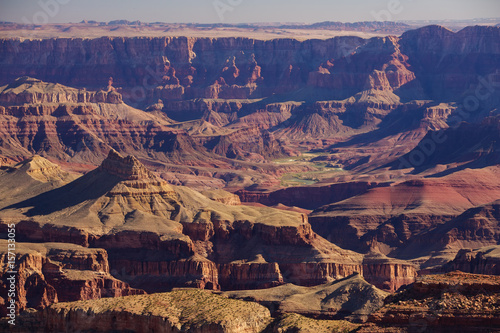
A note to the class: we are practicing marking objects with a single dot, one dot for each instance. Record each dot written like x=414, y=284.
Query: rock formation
x=186, y=68
x=467, y=146
x=177, y=311
x=309, y=197
x=331, y=300
x=57, y=122
x=178, y=237
x=485, y=260
x=386, y=218
x=48, y=273
x=441, y=303
x=30, y=177
x=455, y=239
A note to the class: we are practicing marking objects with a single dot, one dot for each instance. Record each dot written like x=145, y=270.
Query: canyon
x=148, y=230
x=241, y=184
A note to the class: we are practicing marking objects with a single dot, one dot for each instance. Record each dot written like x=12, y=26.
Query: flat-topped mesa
x=388, y=273
x=127, y=168
x=28, y=90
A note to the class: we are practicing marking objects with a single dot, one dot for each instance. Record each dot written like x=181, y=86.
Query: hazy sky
x=239, y=11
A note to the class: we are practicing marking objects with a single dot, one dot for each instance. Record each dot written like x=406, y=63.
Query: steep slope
x=177, y=311
x=484, y=260
x=80, y=126
x=397, y=133
x=446, y=63
x=477, y=227
x=29, y=178
x=48, y=273
x=159, y=236
x=385, y=218
x=333, y=300
x=175, y=67
x=378, y=64
x=240, y=141
x=186, y=68
x=470, y=145
x=377, y=94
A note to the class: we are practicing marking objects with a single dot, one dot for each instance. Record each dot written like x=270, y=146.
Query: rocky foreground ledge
x=452, y=302
x=184, y=310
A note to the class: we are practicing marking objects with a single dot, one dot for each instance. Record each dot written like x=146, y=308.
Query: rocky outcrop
x=306, y=94
x=441, y=303
x=388, y=218
x=250, y=275
x=387, y=68
x=128, y=168
x=223, y=197
x=177, y=311
x=30, y=231
x=310, y=274
x=80, y=134
x=155, y=276
x=217, y=112
x=48, y=273
x=387, y=273
x=478, y=144
x=27, y=90
x=176, y=68
x=466, y=242
x=247, y=143
x=82, y=131
x=5, y=162
x=330, y=300
x=452, y=71
x=160, y=236
x=484, y=260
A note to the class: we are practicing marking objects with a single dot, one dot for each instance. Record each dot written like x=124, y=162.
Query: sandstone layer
x=455, y=301
x=160, y=236
x=48, y=273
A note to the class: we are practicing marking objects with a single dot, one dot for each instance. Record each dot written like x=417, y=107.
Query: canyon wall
x=308, y=197
x=478, y=261
x=55, y=272
x=180, y=68
x=173, y=68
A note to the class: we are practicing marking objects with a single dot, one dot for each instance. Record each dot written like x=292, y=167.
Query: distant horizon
x=244, y=11
x=263, y=22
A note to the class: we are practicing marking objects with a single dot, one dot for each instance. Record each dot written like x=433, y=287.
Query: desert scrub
x=293, y=322
x=185, y=309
